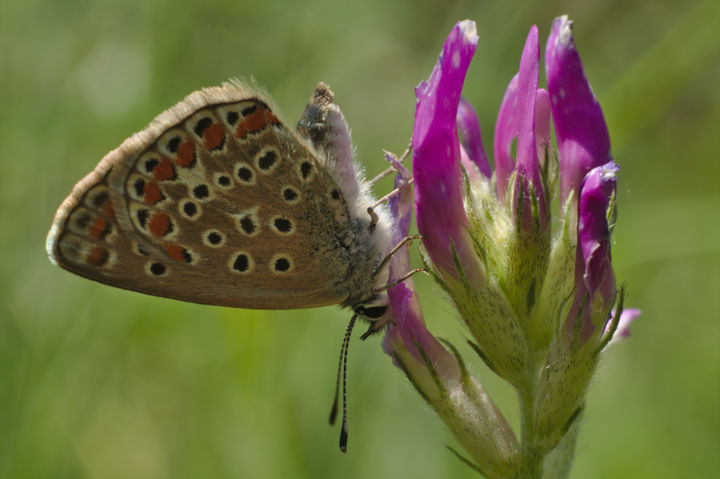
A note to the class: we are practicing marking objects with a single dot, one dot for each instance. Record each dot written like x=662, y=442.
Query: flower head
x=536, y=295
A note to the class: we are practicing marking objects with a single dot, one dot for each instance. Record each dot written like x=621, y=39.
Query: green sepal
x=405, y=370
x=462, y=277
x=427, y=264
x=611, y=216
x=612, y=327
x=464, y=374
x=431, y=369
x=467, y=461
x=484, y=357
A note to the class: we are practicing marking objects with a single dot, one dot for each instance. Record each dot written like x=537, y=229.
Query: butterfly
x=219, y=202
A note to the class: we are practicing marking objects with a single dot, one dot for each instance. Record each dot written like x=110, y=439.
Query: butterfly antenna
x=342, y=371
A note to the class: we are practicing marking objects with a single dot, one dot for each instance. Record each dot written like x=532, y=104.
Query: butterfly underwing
x=219, y=202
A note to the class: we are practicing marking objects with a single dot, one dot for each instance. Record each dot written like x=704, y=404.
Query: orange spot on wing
x=272, y=119
x=186, y=153
x=251, y=124
x=176, y=252
x=98, y=256
x=152, y=193
x=159, y=225
x=97, y=228
x=164, y=170
x=109, y=209
x=214, y=136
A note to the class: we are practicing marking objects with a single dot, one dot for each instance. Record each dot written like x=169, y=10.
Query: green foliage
x=97, y=382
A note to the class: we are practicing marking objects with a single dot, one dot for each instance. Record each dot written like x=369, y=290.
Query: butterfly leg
x=391, y=169
x=405, y=180
x=395, y=249
x=390, y=196
x=406, y=276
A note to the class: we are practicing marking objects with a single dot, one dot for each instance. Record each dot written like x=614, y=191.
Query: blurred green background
x=101, y=383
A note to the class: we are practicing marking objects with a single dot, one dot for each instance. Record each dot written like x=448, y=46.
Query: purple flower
x=594, y=277
x=535, y=295
x=408, y=329
x=582, y=136
x=441, y=217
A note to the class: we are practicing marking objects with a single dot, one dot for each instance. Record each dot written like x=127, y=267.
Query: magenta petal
x=436, y=155
x=528, y=172
x=527, y=92
x=408, y=325
x=507, y=127
x=470, y=167
x=593, y=232
x=542, y=123
x=471, y=137
x=594, y=276
x=582, y=136
x=627, y=317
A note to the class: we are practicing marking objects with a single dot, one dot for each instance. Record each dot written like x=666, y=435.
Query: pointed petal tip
x=562, y=28
x=420, y=89
x=607, y=172
x=531, y=50
x=533, y=31
x=469, y=31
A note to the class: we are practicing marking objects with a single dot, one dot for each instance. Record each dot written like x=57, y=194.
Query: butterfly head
x=376, y=311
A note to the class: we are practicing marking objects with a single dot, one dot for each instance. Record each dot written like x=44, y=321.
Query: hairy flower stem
x=530, y=455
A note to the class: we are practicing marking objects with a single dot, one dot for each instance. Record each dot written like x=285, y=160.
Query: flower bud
x=594, y=278
x=529, y=202
x=582, y=136
x=574, y=356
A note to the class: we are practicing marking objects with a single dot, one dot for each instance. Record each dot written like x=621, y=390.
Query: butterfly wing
x=216, y=202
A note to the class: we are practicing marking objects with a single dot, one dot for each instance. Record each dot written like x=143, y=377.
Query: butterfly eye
x=373, y=312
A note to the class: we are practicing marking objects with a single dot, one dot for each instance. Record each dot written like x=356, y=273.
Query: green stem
x=531, y=458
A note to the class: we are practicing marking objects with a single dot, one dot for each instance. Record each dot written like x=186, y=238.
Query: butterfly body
x=218, y=202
